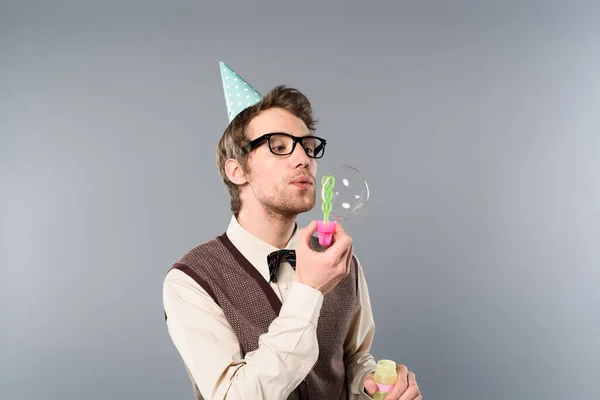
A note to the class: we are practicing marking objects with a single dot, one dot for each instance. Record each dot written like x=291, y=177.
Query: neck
x=268, y=227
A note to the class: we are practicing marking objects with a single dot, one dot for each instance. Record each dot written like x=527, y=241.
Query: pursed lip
x=303, y=180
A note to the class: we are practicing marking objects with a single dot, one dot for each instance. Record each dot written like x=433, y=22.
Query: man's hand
x=406, y=387
x=323, y=270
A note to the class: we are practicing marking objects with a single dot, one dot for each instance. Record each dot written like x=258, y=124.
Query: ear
x=234, y=172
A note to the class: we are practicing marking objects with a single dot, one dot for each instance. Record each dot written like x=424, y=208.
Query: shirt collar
x=254, y=249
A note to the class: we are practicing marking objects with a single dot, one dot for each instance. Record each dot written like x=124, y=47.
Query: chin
x=290, y=203
x=292, y=209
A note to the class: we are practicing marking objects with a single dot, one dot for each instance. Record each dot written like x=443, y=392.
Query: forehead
x=276, y=120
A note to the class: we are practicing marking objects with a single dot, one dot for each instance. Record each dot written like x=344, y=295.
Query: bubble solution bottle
x=385, y=376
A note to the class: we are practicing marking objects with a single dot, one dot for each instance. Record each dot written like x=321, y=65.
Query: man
x=262, y=311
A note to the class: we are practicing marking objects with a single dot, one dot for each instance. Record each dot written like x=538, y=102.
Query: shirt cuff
x=303, y=302
x=359, y=384
x=364, y=395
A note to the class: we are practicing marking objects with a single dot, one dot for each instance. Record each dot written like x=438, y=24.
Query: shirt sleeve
x=358, y=359
x=211, y=351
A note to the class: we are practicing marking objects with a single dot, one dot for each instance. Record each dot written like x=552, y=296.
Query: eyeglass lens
x=283, y=145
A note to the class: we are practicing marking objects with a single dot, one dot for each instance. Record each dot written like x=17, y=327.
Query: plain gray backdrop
x=476, y=125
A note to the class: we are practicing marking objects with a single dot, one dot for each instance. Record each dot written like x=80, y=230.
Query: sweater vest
x=250, y=305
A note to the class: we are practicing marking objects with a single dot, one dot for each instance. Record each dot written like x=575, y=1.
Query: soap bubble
x=348, y=192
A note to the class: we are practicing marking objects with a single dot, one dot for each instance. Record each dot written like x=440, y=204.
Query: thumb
x=306, y=233
x=371, y=385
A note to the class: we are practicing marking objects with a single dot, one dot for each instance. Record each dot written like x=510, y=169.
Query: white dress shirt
x=287, y=352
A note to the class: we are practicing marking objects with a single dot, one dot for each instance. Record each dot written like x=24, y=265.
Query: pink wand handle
x=326, y=231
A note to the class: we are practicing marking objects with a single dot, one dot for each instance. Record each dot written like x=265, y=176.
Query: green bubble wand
x=328, y=183
x=325, y=227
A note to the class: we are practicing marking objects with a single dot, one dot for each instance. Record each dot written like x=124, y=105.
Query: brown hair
x=234, y=140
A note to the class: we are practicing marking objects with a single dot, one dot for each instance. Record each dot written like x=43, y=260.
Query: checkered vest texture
x=250, y=305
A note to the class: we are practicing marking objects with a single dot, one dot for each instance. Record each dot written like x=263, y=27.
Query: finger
x=339, y=248
x=371, y=385
x=401, y=384
x=339, y=231
x=412, y=379
x=341, y=241
x=306, y=233
x=412, y=392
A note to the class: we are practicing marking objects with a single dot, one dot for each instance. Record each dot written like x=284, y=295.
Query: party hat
x=239, y=94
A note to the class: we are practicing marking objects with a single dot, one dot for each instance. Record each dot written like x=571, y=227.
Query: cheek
x=266, y=174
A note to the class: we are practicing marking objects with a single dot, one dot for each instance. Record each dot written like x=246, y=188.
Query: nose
x=299, y=156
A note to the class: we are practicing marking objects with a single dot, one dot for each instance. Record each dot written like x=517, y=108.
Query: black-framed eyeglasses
x=283, y=144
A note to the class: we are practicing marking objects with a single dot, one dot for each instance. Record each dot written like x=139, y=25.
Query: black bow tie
x=277, y=257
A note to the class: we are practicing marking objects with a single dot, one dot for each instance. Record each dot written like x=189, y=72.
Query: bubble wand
x=328, y=183
x=326, y=228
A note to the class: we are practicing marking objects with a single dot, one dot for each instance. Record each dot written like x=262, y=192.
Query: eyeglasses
x=283, y=144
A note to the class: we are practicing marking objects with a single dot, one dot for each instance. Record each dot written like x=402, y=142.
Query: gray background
x=475, y=123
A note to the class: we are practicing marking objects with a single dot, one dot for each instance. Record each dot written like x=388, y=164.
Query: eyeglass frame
x=267, y=137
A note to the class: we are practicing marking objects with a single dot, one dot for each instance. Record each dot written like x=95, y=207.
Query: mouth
x=303, y=182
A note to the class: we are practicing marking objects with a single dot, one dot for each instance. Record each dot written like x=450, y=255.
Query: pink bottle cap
x=326, y=231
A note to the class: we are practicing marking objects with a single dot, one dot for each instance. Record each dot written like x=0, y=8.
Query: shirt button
x=285, y=285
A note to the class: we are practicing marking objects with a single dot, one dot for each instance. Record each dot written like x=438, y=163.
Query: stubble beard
x=288, y=202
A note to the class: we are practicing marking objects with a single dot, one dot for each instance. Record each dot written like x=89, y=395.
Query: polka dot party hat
x=239, y=94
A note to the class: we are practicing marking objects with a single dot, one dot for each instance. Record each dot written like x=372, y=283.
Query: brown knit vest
x=250, y=305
